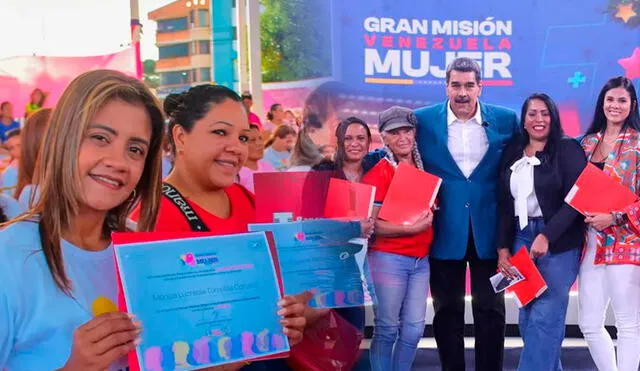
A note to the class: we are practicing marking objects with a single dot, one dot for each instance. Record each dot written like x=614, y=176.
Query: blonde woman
x=101, y=156
x=32, y=134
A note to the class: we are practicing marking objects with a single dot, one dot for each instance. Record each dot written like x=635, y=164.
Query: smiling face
x=216, y=148
x=356, y=143
x=400, y=141
x=617, y=106
x=112, y=154
x=537, y=120
x=463, y=91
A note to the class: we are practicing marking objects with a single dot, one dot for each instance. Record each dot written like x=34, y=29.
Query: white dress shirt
x=523, y=191
x=467, y=140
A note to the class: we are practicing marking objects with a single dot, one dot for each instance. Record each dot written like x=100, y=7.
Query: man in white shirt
x=461, y=141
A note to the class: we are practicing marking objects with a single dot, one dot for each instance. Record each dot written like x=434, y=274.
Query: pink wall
x=20, y=75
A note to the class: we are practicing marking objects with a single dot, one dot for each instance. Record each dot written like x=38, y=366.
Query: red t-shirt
x=243, y=212
x=416, y=245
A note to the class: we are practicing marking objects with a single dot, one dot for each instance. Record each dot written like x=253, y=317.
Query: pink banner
x=20, y=75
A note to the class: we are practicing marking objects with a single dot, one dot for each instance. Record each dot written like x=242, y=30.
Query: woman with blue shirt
x=101, y=156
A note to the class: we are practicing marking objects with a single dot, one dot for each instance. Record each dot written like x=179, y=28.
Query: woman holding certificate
x=99, y=157
x=610, y=270
x=209, y=131
x=537, y=171
x=398, y=255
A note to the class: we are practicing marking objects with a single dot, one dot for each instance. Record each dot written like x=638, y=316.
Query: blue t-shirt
x=37, y=320
x=25, y=196
x=10, y=207
x=278, y=159
x=10, y=178
x=166, y=166
x=4, y=129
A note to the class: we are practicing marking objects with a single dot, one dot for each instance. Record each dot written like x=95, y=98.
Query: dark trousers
x=448, y=291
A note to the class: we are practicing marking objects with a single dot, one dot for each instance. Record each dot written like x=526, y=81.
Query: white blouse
x=522, y=189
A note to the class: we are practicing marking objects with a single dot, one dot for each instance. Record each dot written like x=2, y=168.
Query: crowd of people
x=107, y=156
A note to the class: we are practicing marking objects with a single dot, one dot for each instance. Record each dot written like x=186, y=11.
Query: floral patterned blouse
x=620, y=244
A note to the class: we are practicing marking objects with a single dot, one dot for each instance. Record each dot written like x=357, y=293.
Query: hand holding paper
x=533, y=285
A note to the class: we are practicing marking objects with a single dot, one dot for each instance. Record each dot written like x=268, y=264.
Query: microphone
x=485, y=124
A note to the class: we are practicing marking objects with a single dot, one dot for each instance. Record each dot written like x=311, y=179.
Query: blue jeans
x=542, y=322
x=400, y=285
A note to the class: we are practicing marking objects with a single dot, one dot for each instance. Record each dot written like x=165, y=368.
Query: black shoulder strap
x=193, y=219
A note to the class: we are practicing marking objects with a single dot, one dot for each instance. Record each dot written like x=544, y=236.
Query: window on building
x=192, y=18
x=172, y=25
x=204, y=47
x=203, y=18
x=175, y=77
x=205, y=74
x=174, y=51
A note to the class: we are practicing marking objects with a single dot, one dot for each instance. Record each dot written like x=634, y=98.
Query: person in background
x=209, y=131
x=536, y=173
x=7, y=121
x=353, y=138
x=397, y=259
x=328, y=151
x=461, y=141
x=31, y=142
x=9, y=209
x=305, y=153
x=36, y=101
x=279, y=146
x=291, y=119
x=325, y=102
x=247, y=101
x=254, y=163
x=9, y=178
x=167, y=157
x=610, y=269
x=275, y=117
x=101, y=156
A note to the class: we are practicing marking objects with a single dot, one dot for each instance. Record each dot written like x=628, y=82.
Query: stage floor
x=575, y=355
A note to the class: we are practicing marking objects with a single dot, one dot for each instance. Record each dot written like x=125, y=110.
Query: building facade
x=185, y=38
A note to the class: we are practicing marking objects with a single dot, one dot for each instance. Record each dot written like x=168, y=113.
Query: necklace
x=351, y=176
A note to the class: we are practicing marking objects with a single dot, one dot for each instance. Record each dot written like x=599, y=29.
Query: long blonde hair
x=31, y=140
x=57, y=171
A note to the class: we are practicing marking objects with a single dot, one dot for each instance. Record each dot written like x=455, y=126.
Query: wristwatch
x=618, y=217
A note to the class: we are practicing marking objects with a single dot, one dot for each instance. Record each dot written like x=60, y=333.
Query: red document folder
x=533, y=284
x=411, y=193
x=297, y=194
x=137, y=237
x=597, y=192
x=347, y=200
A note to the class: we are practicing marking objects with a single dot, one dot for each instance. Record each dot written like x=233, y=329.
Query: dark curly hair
x=187, y=108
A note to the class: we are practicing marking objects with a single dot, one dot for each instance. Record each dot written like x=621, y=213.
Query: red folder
x=347, y=200
x=137, y=237
x=411, y=193
x=299, y=194
x=597, y=192
x=533, y=284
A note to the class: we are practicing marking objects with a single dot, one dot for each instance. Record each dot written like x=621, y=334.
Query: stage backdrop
x=396, y=51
